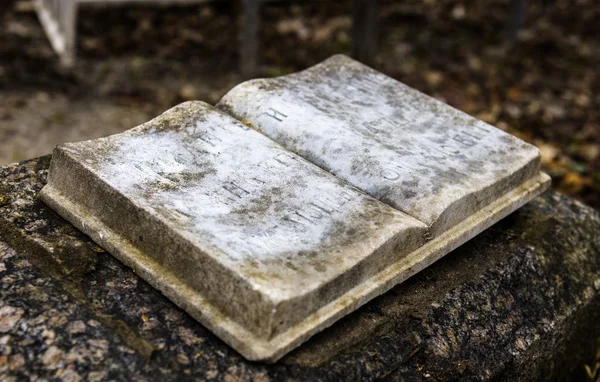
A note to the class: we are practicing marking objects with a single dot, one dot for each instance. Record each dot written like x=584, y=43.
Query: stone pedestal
x=521, y=301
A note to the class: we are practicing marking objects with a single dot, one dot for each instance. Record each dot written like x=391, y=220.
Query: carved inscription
x=235, y=187
x=318, y=209
x=279, y=116
x=384, y=124
x=236, y=190
x=411, y=150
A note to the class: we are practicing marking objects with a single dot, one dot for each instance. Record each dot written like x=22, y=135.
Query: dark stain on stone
x=64, y=253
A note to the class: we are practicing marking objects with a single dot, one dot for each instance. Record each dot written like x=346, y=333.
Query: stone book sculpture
x=295, y=200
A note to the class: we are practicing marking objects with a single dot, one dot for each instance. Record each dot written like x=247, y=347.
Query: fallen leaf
x=459, y=12
x=433, y=78
x=548, y=152
x=572, y=182
x=590, y=152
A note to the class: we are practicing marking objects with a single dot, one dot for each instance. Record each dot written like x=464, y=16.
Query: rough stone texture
x=261, y=246
x=246, y=236
x=521, y=301
x=400, y=146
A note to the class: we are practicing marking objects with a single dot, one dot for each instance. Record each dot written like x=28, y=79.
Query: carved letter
x=390, y=174
x=464, y=140
x=235, y=189
x=275, y=114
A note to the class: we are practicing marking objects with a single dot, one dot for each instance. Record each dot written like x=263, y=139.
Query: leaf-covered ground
x=135, y=62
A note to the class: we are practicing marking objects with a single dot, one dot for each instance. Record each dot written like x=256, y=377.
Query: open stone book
x=295, y=200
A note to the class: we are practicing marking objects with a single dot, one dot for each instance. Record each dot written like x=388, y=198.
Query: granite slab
x=519, y=302
x=397, y=144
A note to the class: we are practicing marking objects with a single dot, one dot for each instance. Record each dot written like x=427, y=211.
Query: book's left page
x=254, y=241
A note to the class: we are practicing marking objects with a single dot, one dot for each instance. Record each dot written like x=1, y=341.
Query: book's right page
x=401, y=146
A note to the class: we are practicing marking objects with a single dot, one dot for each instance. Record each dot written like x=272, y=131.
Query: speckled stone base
x=521, y=301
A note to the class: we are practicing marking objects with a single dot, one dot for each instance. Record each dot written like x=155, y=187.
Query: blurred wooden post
x=364, y=30
x=70, y=25
x=59, y=20
x=515, y=20
x=248, y=29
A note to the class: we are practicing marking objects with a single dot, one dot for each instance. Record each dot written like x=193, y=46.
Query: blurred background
x=539, y=82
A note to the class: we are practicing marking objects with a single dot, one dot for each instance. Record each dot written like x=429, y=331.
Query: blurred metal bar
x=59, y=20
x=248, y=37
x=364, y=30
x=516, y=19
x=129, y=2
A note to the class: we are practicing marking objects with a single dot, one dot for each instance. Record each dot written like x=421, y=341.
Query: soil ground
x=135, y=62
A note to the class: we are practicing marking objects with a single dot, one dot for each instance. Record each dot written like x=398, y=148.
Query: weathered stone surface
x=400, y=146
x=249, y=238
x=521, y=301
x=260, y=245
